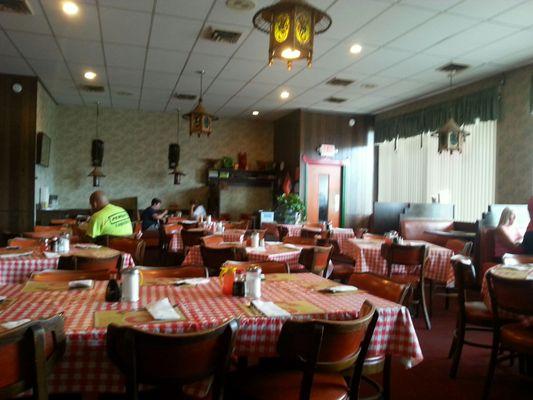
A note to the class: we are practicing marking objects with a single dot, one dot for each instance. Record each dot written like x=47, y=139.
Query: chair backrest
x=300, y=240
x=45, y=228
x=195, y=356
x=379, y=286
x=310, y=232
x=28, y=354
x=373, y=236
x=174, y=272
x=510, y=295
x=24, y=242
x=192, y=237
x=248, y=233
x=188, y=225
x=212, y=240
x=321, y=257
x=330, y=346
x=465, y=279
x=459, y=247
x=57, y=275
x=404, y=255
x=135, y=247
x=283, y=232
x=237, y=225
x=111, y=264
x=214, y=257
x=267, y=267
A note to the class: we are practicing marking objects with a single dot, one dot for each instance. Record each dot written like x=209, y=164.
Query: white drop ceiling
x=144, y=51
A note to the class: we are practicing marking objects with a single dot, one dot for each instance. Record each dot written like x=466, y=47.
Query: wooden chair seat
x=342, y=271
x=519, y=337
x=409, y=279
x=285, y=385
x=477, y=313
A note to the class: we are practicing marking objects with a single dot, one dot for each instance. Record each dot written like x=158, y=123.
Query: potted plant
x=290, y=209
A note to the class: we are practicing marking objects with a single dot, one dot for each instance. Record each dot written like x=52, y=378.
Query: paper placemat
x=279, y=277
x=299, y=307
x=159, y=281
x=103, y=318
x=34, y=286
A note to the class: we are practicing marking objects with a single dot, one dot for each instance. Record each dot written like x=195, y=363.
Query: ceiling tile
x=378, y=61
x=255, y=47
x=153, y=106
x=6, y=48
x=82, y=51
x=518, y=16
x=414, y=65
x=165, y=60
x=123, y=76
x=68, y=99
x=129, y=27
x=470, y=39
x=257, y=89
x=241, y=69
x=120, y=55
x=278, y=73
x=82, y=26
x=160, y=80
x=155, y=95
x=196, y=9
x=60, y=86
x=42, y=47
x=132, y=5
x=392, y=23
x=500, y=48
x=14, y=65
x=174, y=33
x=432, y=32
x=93, y=98
x=35, y=23
x=125, y=92
x=222, y=13
x=225, y=87
x=439, y=5
x=190, y=83
x=308, y=78
x=483, y=9
x=51, y=70
x=210, y=64
x=125, y=103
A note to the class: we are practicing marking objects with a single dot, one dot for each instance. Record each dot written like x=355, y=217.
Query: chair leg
x=430, y=298
x=459, y=339
x=387, y=377
x=492, y=367
x=447, y=299
x=424, y=306
x=453, y=345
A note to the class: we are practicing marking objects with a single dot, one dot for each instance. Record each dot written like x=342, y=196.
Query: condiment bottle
x=112, y=292
x=253, y=282
x=238, y=284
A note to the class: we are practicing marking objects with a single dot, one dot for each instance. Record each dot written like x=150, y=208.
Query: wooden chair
x=188, y=225
x=472, y=316
x=300, y=240
x=214, y=257
x=195, y=357
x=283, y=232
x=373, y=236
x=57, y=275
x=192, y=237
x=45, y=228
x=24, y=242
x=211, y=240
x=392, y=291
x=513, y=296
x=343, y=265
x=28, y=355
x=460, y=247
x=237, y=225
x=267, y=267
x=189, y=271
x=409, y=256
x=313, y=355
x=310, y=232
x=316, y=259
x=111, y=264
x=135, y=247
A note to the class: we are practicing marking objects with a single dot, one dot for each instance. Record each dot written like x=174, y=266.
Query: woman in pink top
x=507, y=237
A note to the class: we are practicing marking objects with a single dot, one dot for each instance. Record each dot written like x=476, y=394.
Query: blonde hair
x=507, y=213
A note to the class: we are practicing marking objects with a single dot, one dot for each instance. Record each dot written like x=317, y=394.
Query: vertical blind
x=412, y=170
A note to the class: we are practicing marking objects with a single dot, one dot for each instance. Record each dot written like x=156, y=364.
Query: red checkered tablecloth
x=367, y=254
x=86, y=368
x=18, y=269
x=231, y=235
x=269, y=253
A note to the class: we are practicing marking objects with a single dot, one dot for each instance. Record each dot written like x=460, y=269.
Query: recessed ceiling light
x=70, y=8
x=90, y=75
x=255, y=113
x=356, y=48
x=284, y=95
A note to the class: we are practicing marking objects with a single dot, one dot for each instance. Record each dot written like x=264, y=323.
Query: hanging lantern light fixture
x=292, y=26
x=200, y=121
x=97, y=153
x=174, y=156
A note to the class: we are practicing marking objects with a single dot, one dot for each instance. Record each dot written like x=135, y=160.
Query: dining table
x=368, y=258
x=86, y=367
x=272, y=251
x=229, y=235
x=16, y=265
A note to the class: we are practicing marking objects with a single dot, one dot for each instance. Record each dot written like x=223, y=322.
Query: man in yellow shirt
x=107, y=219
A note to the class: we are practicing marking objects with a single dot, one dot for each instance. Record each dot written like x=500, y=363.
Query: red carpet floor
x=430, y=380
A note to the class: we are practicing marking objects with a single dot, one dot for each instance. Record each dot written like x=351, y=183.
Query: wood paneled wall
x=17, y=153
x=301, y=132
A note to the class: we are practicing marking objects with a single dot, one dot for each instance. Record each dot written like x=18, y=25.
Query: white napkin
x=2, y=298
x=81, y=284
x=256, y=249
x=272, y=243
x=49, y=254
x=292, y=246
x=340, y=289
x=520, y=267
x=162, y=310
x=192, y=281
x=14, y=324
x=87, y=246
x=11, y=255
x=269, y=309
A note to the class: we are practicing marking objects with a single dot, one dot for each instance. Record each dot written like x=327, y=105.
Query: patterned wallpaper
x=135, y=155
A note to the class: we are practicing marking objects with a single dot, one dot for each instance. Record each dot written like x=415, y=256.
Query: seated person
x=197, y=210
x=527, y=243
x=107, y=219
x=507, y=237
x=153, y=215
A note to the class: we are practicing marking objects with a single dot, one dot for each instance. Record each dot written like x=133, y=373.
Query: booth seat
x=415, y=229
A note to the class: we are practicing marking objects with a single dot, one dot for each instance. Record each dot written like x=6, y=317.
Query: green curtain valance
x=484, y=105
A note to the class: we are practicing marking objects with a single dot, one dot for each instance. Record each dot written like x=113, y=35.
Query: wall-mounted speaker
x=173, y=155
x=97, y=153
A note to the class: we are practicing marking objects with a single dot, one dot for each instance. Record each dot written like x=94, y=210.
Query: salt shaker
x=131, y=278
x=253, y=283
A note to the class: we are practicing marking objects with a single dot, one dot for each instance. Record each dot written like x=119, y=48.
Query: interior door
x=323, y=187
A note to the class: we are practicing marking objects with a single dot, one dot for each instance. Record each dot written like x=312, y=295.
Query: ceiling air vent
x=15, y=6
x=339, y=82
x=335, y=100
x=369, y=86
x=219, y=35
x=92, y=88
x=240, y=5
x=453, y=67
x=184, y=96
